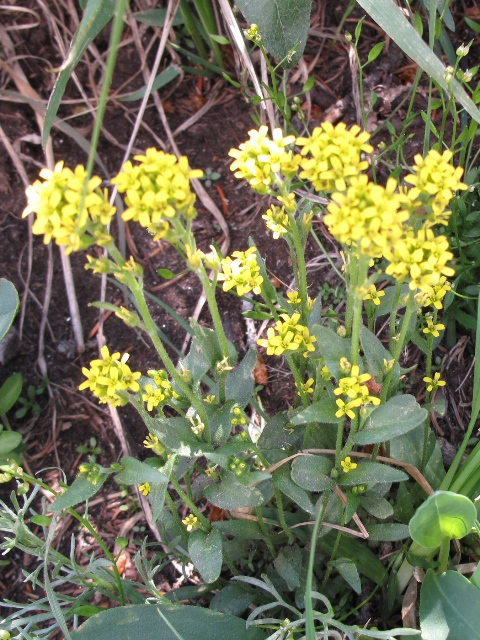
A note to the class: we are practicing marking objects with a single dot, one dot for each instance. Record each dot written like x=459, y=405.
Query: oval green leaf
x=9, y=440
x=206, y=553
x=10, y=392
x=371, y=472
x=443, y=515
x=311, y=473
x=8, y=305
x=399, y=415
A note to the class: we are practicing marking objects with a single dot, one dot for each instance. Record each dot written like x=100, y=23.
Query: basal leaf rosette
x=333, y=155
x=157, y=191
x=367, y=216
x=56, y=202
x=260, y=160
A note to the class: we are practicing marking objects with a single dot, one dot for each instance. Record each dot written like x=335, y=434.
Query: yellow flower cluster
x=356, y=391
x=433, y=296
x=288, y=335
x=432, y=329
x=56, y=203
x=242, y=272
x=159, y=391
x=277, y=221
x=367, y=215
x=434, y=181
x=109, y=376
x=157, y=190
x=420, y=258
x=335, y=155
x=191, y=522
x=260, y=159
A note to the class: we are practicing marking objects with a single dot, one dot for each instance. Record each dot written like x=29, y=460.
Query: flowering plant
x=319, y=471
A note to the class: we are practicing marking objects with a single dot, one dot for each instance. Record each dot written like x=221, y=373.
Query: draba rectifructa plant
x=272, y=475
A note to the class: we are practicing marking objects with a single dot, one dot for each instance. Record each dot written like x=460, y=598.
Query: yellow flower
x=144, y=488
x=242, y=272
x=191, y=522
x=434, y=182
x=434, y=383
x=157, y=190
x=197, y=427
x=152, y=442
x=259, y=159
x=374, y=295
x=433, y=296
x=335, y=155
x=277, y=221
x=109, y=376
x=288, y=335
x=367, y=215
x=422, y=259
x=325, y=373
x=348, y=465
x=432, y=328
x=307, y=387
x=294, y=298
x=346, y=408
x=56, y=203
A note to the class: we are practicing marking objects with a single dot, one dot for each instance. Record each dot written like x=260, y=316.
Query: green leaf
x=443, y=515
x=232, y=600
x=42, y=521
x=165, y=622
x=288, y=564
x=474, y=26
x=282, y=480
x=240, y=382
x=376, y=505
x=395, y=24
x=156, y=497
x=79, y=491
x=375, y=51
x=136, y=472
x=167, y=75
x=156, y=17
x=386, y=301
x=449, y=607
x=308, y=84
x=210, y=344
x=347, y=569
x=205, y=551
x=277, y=434
x=331, y=347
x=9, y=440
x=97, y=14
x=311, y=473
x=368, y=472
x=399, y=415
x=388, y=532
x=176, y=436
x=9, y=303
x=219, y=421
x=86, y=610
x=10, y=392
x=409, y=448
x=321, y=411
x=247, y=529
x=283, y=24
x=220, y=40
x=166, y=274
x=231, y=494
x=375, y=353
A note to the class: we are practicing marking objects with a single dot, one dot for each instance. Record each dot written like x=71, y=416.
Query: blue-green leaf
x=399, y=415
x=8, y=305
x=206, y=553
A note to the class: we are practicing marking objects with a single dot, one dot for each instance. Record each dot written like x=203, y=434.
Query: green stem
x=444, y=555
x=209, y=289
x=265, y=532
x=352, y=285
x=190, y=504
x=309, y=619
x=398, y=346
x=393, y=314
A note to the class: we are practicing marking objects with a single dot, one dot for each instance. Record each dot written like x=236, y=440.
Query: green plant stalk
x=137, y=291
x=191, y=26
x=444, y=555
x=352, y=285
x=300, y=256
x=209, y=289
x=298, y=379
x=264, y=530
x=326, y=255
x=397, y=350
x=357, y=304
x=428, y=371
x=207, y=18
x=309, y=619
x=190, y=504
x=451, y=480
x=393, y=314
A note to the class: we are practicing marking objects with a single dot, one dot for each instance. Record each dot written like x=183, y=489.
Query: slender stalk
x=309, y=619
x=190, y=504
